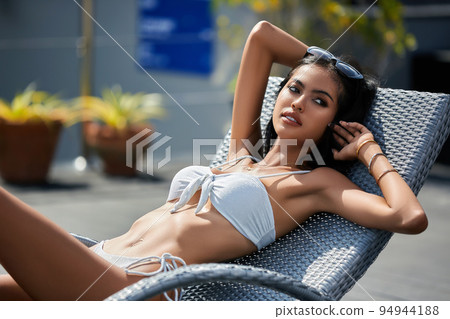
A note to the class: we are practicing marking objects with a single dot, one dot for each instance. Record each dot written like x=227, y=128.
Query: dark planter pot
x=110, y=146
x=26, y=151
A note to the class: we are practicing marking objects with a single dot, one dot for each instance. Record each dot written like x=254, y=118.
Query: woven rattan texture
x=328, y=253
x=207, y=273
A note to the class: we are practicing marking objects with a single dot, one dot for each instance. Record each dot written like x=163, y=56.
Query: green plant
x=38, y=106
x=120, y=110
x=321, y=22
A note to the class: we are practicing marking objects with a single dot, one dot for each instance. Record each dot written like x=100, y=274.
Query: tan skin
x=46, y=263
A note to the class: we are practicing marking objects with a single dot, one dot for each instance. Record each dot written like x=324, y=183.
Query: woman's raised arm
x=265, y=45
x=397, y=211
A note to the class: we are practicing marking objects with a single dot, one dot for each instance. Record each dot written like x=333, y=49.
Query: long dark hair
x=354, y=101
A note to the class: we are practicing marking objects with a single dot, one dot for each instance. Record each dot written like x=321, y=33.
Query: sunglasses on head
x=342, y=66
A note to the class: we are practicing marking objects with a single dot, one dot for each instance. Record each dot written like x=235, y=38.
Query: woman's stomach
x=197, y=238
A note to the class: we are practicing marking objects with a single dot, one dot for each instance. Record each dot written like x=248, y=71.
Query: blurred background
x=191, y=48
x=188, y=52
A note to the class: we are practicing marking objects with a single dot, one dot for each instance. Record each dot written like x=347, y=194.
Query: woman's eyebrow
x=315, y=91
x=324, y=92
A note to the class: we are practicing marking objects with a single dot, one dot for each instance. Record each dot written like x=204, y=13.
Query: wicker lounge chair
x=322, y=259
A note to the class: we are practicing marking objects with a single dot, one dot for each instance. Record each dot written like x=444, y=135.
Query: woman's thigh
x=10, y=290
x=47, y=262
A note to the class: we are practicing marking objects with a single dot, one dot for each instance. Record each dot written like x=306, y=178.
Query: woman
x=239, y=207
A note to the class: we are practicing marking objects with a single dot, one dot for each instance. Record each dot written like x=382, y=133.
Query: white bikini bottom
x=167, y=262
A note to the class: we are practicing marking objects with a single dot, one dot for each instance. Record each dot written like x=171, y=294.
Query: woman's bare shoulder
x=312, y=183
x=326, y=177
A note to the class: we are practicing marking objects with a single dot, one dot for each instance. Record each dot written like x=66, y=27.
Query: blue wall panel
x=176, y=35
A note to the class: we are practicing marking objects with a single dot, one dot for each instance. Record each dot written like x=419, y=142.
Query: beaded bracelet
x=371, y=161
x=384, y=173
x=362, y=144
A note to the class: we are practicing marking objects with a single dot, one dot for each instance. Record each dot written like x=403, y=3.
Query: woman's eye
x=293, y=89
x=320, y=102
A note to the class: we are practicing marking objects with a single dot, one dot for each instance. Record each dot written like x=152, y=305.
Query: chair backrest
x=328, y=253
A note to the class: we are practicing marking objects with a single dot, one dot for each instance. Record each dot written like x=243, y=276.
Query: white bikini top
x=241, y=198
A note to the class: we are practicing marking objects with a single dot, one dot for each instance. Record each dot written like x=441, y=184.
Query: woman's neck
x=293, y=154
x=281, y=156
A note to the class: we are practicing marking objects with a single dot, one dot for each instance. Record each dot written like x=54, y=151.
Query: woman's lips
x=291, y=120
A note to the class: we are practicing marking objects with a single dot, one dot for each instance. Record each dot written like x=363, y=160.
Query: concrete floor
x=99, y=207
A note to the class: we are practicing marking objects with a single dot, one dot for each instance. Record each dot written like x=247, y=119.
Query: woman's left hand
x=349, y=135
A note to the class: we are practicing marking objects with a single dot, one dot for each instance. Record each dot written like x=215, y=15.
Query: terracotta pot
x=26, y=151
x=110, y=145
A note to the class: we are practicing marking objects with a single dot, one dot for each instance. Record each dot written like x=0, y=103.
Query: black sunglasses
x=342, y=66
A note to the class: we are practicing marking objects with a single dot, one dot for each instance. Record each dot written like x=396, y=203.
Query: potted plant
x=29, y=131
x=113, y=119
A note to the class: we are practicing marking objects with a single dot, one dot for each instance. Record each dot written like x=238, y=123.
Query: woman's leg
x=47, y=262
x=10, y=290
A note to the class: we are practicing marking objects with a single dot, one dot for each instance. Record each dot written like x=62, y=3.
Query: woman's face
x=306, y=104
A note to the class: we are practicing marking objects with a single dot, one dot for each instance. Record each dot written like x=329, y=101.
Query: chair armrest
x=203, y=273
